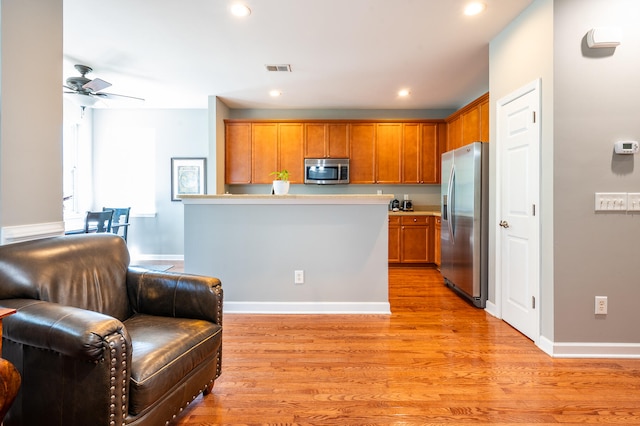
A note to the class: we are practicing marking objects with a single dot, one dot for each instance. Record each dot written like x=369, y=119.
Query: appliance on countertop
x=407, y=205
x=464, y=221
x=394, y=205
x=326, y=171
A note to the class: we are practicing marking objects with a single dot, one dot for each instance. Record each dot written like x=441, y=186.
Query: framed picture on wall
x=188, y=177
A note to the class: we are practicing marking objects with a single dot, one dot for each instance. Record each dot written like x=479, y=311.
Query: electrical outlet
x=298, y=277
x=601, y=305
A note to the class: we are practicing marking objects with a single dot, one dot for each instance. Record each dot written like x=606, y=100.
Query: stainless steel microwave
x=326, y=171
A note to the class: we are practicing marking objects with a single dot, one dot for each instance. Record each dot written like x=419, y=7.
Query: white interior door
x=518, y=138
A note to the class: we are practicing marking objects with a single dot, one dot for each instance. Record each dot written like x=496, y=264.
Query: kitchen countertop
x=240, y=199
x=419, y=211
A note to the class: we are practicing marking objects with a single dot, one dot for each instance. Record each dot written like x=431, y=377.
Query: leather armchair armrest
x=175, y=295
x=71, y=331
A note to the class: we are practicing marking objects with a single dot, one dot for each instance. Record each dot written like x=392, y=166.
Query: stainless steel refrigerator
x=464, y=204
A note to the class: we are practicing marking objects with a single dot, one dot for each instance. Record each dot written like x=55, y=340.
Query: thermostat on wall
x=626, y=147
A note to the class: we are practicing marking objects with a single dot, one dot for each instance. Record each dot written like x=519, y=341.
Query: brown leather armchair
x=100, y=343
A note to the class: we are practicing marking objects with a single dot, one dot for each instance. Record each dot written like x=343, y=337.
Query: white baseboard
x=589, y=349
x=379, y=308
x=168, y=257
x=492, y=309
x=14, y=234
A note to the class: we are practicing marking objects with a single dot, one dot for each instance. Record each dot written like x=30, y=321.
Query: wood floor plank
x=435, y=360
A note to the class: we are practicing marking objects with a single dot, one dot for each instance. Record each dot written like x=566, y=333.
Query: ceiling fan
x=87, y=92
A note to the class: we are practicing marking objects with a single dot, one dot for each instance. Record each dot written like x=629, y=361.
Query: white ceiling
x=344, y=54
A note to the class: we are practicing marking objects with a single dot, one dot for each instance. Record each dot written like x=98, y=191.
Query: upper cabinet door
x=454, y=134
x=362, y=141
x=291, y=141
x=337, y=140
x=411, y=153
x=314, y=141
x=471, y=125
x=238, y=153
x=388, y=153
x=326, y=140
x=430, y=154
x=264, y=154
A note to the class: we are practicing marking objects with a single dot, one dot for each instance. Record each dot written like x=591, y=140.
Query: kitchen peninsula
x=256, y=243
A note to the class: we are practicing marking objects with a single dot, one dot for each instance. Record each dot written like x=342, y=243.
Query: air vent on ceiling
x=278, y=68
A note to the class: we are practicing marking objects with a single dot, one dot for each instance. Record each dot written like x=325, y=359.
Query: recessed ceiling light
x=474, y=8
x=238, y=9
x=275, y=93
x=404, y=92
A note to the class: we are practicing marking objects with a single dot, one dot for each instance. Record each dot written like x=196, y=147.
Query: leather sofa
x=98, y=342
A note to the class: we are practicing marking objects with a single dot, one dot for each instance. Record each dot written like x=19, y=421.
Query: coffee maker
x=407, y=205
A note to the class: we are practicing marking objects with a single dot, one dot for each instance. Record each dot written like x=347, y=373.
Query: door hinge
x=534, y=116
x=533, y=302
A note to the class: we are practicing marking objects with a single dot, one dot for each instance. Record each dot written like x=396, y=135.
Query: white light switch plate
x=611, y=201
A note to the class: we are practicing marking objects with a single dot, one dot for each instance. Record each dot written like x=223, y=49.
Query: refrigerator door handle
x=450, y=199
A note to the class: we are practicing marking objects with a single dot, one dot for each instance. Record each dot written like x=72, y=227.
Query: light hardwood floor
x=435, y=360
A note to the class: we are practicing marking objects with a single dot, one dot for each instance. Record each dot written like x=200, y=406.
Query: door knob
x=504, y=224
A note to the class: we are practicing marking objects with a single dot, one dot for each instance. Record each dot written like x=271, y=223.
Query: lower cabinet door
x=415, y=244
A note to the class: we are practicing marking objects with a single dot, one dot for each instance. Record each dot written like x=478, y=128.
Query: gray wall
x=520, y=54
x=590, y=99
x=597, y=102
x=255, y=248
x=31, y=116
x=179, y=133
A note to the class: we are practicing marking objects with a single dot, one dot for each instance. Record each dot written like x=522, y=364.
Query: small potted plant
x=281, y=182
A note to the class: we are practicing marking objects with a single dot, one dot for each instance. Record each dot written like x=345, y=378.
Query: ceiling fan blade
x=114, y=96
x=96, y=84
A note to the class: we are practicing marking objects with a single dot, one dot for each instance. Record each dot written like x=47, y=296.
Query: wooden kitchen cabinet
x=484, y=120
x=414, y=234
x=421, y=153
x=362, y=142
x=254, y=150
x=326, y=140
x=469, y=124
x=436, y=240
x=454, y=134
x=388, y=153
x=238, y=153
x=411, y=150
x=409, y=239
x=430, y=153
x=290, y=149
x=394, y=239
x=264, y=152
x=403, y=152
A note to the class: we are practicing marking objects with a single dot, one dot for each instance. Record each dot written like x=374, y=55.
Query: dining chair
x=120, y=220
x=99, y=221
